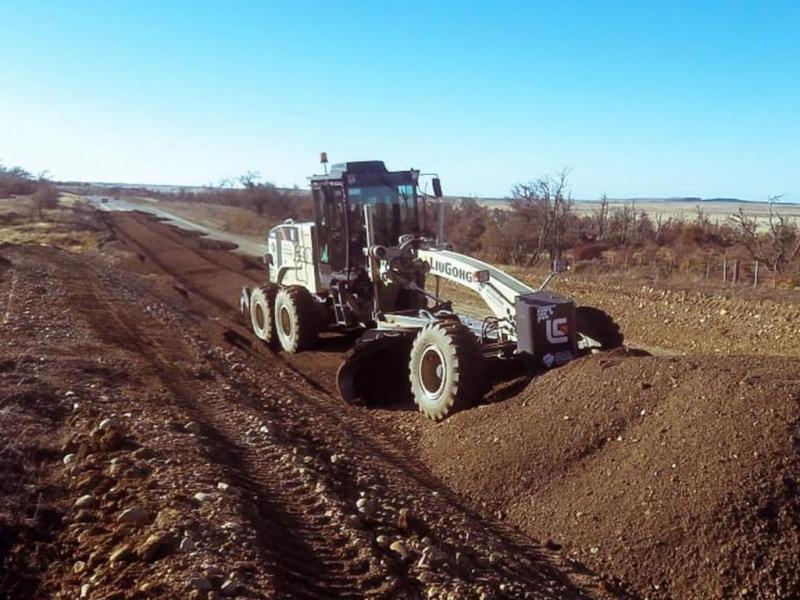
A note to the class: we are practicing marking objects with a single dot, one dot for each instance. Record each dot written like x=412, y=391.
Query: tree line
x=16, y=181
x=540, y=222
x=249, y=192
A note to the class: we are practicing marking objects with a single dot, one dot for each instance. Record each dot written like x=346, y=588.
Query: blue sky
x=637, y=99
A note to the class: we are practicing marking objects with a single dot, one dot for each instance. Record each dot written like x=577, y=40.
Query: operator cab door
x=330, y=229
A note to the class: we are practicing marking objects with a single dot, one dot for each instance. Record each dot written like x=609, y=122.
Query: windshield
x=383, y=194
x=395, y=211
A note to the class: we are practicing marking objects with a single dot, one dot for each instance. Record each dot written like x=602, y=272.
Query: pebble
x=69, y=458
x=202, y=497
x=211, y=572
x=84, y=516
x=186, y=545
x=229, y=587
x=122, y=552
x=353, y=521
x=401, y=549
x=155, y=545
x=193, y=427
x=366, y=507
x=199, y=582
x=142, y=453
x=87, y=501
x=107, y=424
x=135, y=515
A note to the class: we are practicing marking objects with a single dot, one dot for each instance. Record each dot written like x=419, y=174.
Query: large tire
x=296, y=319
x=446, y=369
x=262, y=313
x=598, y=325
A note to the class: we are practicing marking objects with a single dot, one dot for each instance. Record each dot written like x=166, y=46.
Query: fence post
x=708, y=268
x=735, y=274
x=725, y=269
x=755, y=273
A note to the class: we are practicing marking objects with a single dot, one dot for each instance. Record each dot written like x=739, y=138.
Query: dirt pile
x=679, y=475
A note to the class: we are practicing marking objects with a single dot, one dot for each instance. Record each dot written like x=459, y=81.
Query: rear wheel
x=296, y=320
x=262, y=313
x=446, y=369
x=599, y=327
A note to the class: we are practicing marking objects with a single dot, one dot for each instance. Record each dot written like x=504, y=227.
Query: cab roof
x=365, y=172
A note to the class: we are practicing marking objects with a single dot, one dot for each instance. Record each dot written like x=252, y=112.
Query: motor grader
x=370, y=263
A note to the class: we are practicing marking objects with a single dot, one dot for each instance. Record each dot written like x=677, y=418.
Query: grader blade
x=375, y=370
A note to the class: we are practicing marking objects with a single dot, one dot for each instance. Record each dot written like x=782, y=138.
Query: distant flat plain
x=687, y=208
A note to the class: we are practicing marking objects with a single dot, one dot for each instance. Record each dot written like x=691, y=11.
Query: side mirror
x=437, y=187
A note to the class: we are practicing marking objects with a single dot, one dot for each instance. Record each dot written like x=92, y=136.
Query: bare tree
x=771, y=248
x=546, y=205
x=15, y=181
x=600, y=219
x=249, y=179
x=45, y=197
x=622, y=223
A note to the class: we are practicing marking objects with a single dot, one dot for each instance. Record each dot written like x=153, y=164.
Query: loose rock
x=193, y=427
x=87, y=501
x=156, y=546
x=135, y=515
x=120, y=553
x=199, y=582
x=401, y=548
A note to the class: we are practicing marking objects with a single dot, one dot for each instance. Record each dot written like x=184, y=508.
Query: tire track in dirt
x=119, y=226
x=307, y=562
x=317, y=366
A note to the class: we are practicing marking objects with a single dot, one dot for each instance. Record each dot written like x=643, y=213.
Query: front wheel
x=446, y=369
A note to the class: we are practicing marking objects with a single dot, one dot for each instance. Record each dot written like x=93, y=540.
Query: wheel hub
x=260, y=317
x=431, y=372
x=285, y=321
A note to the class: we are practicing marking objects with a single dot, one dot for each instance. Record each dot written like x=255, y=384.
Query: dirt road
x=177, y=458
x=244, y=244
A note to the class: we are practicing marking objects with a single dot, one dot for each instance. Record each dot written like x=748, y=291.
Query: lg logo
x=557, y=330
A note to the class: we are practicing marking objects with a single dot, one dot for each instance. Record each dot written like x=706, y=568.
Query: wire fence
x=726, y=271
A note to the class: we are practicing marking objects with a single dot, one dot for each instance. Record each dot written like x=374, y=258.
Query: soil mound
x=679, y=475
